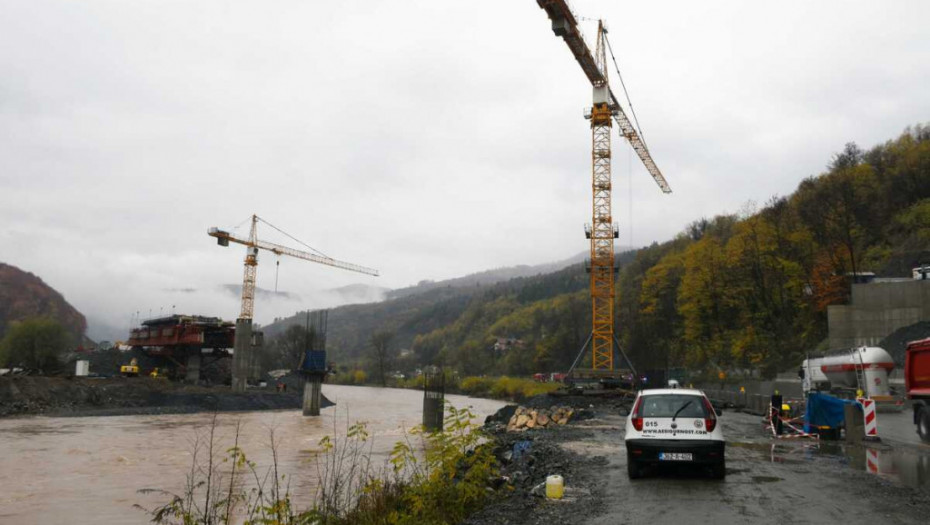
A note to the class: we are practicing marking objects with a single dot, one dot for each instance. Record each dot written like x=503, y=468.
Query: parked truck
x=857, y=372
x=917, y=383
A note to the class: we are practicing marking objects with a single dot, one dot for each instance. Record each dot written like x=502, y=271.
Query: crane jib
x=224, y=238
x=565, y=25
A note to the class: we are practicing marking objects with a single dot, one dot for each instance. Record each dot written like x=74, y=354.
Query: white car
x=673, y=426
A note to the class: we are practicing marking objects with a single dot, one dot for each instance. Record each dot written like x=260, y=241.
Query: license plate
x=674, y=456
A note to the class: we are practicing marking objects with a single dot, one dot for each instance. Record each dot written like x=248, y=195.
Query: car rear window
x=666, y=405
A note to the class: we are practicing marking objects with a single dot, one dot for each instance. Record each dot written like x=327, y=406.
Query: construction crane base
x=581, y=380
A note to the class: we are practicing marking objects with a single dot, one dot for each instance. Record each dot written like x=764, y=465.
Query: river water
x=90, y=469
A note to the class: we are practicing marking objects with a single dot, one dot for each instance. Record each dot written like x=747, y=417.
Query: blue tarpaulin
x=314, y=361
x=825, y=411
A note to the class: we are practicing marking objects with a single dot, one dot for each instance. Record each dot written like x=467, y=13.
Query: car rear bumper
x=704, y=452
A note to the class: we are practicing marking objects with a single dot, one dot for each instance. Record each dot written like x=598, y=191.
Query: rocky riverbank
x=529, y=454
x=61, y=396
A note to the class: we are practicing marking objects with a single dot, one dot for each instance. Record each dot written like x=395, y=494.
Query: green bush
x=36, y=344
x=350, y=377
x=448, y=480
x=439, y=481
x=505, y=387
x=412, y=382
x=476, y=386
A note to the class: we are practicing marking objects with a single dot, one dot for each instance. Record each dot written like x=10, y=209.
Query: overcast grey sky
x=428, y=139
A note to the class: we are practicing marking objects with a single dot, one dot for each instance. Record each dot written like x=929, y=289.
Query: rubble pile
x=524, y=418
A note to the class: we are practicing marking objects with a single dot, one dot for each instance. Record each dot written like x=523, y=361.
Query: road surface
x=768, y=481
x=773, y=482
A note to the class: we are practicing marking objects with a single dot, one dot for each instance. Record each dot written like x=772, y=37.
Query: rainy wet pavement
x=898, y=427
x=768, y=481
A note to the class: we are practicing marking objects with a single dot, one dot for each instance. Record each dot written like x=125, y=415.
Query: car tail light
x=637, y=420
x=710, y=422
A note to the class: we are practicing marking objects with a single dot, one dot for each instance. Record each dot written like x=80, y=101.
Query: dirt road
x=767, y=481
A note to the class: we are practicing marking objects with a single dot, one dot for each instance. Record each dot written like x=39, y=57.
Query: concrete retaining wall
x=877, y=310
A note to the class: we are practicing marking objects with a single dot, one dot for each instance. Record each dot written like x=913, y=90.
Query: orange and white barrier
x=868, y=410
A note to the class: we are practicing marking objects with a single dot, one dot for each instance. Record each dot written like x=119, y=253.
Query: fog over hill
x=496, y=275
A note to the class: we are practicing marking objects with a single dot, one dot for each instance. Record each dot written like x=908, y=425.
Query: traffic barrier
x=871, y=460
x=871, y=423
x=790, y=429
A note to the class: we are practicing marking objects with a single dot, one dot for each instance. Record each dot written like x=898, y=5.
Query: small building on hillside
x=503, y=344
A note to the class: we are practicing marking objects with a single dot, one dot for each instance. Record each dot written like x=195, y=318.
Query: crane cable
x=625, y=93
x=638, y=129
x=241, y=224
x=295, y=239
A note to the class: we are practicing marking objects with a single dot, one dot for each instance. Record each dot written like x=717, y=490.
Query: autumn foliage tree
x=746, y=292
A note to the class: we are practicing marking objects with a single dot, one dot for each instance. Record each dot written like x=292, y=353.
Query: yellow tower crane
x=604, y=111
x=242, y=357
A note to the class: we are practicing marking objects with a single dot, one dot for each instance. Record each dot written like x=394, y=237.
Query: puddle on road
x=897, y=464
x=766, y=479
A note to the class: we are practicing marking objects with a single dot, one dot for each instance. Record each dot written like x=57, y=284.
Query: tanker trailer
x=866, y=368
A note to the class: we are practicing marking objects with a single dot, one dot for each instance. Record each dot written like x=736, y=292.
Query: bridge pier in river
x=313, y=370
x=313, y=390
x=242, y=354
x=434, y=398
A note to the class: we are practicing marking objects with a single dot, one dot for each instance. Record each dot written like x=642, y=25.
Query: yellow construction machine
x=130, y=370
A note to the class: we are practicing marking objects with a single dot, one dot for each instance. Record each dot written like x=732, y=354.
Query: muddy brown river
x=90, y=469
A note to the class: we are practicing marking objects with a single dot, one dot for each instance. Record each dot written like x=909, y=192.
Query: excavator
x=130, y=370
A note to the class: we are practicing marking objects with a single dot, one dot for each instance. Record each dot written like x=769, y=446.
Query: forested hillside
x=24, y=296
x=746, y=291
x=751, y=291
x=431, y=321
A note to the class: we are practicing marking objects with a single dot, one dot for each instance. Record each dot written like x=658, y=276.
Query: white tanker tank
x=843, y=369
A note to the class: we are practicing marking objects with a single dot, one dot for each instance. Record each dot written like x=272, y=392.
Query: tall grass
x=513, y=388
x=501, y=387
x=432, y=478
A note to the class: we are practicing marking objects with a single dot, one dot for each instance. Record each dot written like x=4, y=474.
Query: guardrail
x=757, y=404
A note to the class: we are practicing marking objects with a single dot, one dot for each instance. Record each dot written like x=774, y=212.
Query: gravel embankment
x=126, y=396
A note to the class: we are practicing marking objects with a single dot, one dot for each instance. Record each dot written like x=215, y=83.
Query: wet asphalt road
x=898, y=427
x=784, y=482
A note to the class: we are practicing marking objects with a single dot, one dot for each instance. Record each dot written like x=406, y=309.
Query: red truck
x=917, y=382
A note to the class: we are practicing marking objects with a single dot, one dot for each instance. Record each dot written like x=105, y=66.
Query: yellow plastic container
x=555, y=486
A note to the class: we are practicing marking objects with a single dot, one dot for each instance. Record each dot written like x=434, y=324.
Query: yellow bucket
x=554, y=487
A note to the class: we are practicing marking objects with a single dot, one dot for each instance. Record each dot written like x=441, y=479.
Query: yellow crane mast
x=602, y=231
x=605, y=110
x=242, y=357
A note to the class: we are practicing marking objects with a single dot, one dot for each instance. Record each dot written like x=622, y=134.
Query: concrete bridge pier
x=434, y=398
x=194, y=360
x=242, y=354
x=313, y=390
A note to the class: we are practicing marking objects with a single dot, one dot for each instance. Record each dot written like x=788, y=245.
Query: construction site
x=751, y=369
